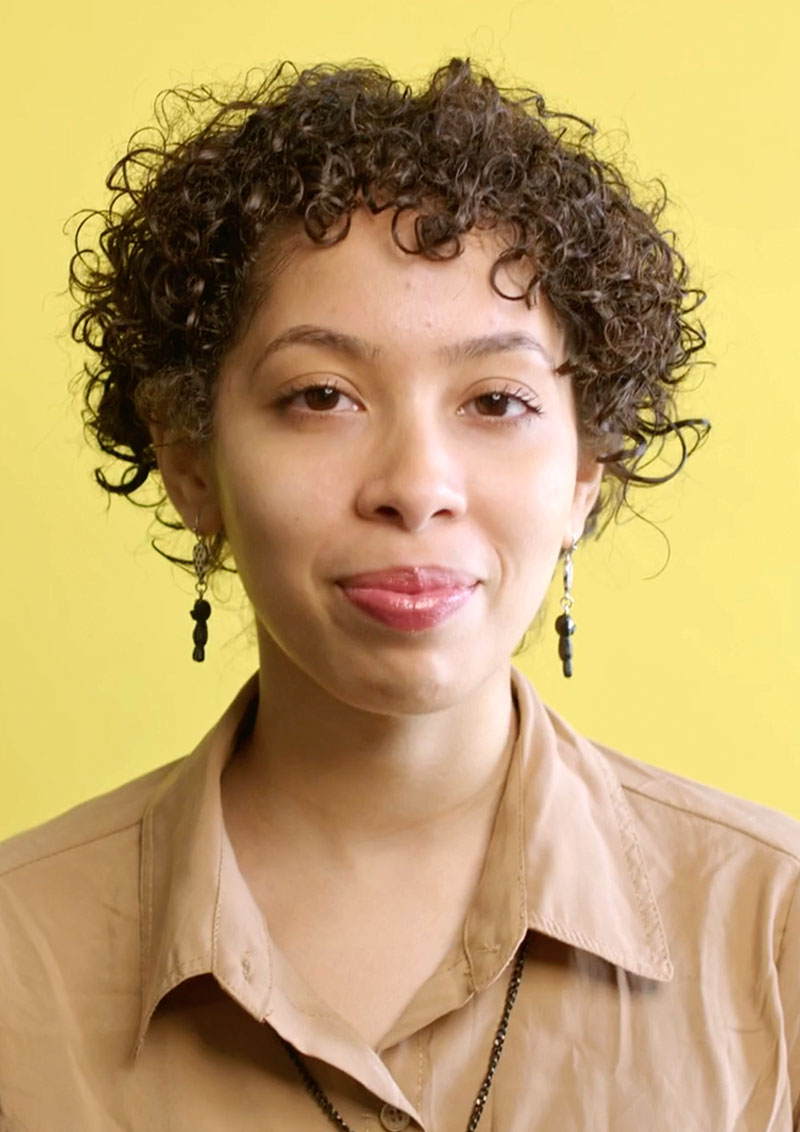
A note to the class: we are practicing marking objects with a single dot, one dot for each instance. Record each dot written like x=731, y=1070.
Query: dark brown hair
x=165, y=283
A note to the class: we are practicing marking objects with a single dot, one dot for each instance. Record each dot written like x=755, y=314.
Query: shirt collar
x=563, y=860
x=189, y=880
x=566, y=834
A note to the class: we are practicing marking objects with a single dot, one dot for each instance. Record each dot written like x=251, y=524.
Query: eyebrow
x=502, y=343
x=357, y=348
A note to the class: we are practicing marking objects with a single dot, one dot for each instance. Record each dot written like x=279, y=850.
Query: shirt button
x=394, y=1119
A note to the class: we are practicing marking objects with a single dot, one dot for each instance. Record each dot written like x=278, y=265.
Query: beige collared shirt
x=140, y=989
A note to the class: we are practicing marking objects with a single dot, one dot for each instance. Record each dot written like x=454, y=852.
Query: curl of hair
x=164, y=285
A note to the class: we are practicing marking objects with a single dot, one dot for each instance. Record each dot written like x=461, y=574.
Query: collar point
x=658, y=968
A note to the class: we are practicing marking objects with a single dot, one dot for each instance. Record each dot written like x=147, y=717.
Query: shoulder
x=713, y=859
x=92, y=827
x=668, y=803
x=699, y=846
x=70, y=909
x=662, y=796
x=70, y=933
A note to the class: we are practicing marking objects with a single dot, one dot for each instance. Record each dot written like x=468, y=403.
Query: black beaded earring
x=201, y=610
x=565, y=626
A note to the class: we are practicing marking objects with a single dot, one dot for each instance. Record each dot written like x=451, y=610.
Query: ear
x=588, y=480
x=186, y=470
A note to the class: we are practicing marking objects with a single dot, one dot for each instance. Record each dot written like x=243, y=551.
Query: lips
x=410, y=598
x=410, y=579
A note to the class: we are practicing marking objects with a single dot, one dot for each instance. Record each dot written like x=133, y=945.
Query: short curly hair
x=165, y=284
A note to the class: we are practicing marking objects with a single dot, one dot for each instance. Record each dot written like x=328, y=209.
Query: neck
x=317, y=769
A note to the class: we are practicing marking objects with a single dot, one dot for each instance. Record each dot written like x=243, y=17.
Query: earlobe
x=185, y=468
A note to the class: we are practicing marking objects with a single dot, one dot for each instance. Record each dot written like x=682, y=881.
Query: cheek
x=532, y=525
x=263, y=519
x=540, y=493
x=277, y=512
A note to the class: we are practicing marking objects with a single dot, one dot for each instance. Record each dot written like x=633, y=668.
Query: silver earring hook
x=201, y=559
x=566, y=601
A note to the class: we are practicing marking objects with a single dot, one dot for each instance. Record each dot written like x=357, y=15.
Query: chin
x=406, y=690
x=416, y=680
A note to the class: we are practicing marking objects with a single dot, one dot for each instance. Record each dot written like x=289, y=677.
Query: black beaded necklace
x=335, y=1117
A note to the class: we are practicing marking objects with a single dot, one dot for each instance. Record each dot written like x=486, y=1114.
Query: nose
x=411, y=477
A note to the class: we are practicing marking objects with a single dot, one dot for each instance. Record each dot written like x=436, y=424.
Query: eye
x=506, y=404
x=319, y=398
x=327, y=398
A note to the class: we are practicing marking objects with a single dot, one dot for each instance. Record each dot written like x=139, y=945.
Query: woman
x=396, y=354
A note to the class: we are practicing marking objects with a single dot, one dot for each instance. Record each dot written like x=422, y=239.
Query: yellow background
x=694, y=668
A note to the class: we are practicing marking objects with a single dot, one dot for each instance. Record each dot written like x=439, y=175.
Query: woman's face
x=385, y=413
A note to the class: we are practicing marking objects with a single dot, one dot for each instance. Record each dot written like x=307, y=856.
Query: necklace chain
x=335, y=1117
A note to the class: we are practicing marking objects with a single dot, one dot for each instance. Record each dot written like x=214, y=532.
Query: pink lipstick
x=410, y=598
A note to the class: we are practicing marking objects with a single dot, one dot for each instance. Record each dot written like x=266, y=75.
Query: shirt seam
x=423, y=1060
x=217, y=908
x=145, y=928
x=778, y=962
x=646, y=904
x=618, y=958
x=714, y=821
x=784, y=929
x=522, y=879
x=215, y=933
x=69, y=848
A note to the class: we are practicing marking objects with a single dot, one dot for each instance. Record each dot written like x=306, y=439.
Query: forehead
x=368, y=286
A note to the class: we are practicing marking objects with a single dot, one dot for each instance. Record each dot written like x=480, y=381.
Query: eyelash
x=513, y=392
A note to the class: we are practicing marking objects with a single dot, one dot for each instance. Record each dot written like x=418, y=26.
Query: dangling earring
x=565, y=626
x=201, y=610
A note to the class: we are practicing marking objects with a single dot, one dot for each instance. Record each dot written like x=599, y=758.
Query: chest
x=588, y=1049
x=366, y=958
